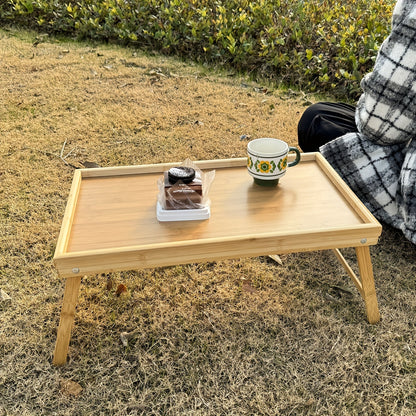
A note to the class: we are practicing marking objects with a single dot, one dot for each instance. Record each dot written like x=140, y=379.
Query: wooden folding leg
x=367, y=282
x=67, y=320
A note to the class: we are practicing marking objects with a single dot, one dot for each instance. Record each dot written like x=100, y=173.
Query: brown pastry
x=181, y=195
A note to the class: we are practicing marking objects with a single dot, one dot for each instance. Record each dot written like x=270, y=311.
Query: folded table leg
x=367, y=282
x=67, y=320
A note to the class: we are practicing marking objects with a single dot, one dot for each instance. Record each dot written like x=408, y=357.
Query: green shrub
x=317, y=45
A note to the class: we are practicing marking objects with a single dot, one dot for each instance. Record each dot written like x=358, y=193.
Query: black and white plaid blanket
x=379, y=162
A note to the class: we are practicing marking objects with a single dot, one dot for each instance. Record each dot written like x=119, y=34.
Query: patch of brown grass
x=237, y=337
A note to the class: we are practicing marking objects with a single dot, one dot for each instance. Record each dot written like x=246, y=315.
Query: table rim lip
x=213, y=240
x=369, y=226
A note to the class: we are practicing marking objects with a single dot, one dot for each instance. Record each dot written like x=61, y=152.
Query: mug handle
x=297, y=160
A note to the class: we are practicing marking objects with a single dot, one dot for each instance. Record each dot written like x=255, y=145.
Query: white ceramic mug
x=267, y=160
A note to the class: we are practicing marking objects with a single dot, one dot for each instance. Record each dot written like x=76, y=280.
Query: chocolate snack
x=181, y=173
x=183, y=196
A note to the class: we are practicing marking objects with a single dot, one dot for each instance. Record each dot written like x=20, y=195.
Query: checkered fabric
x=379, y=162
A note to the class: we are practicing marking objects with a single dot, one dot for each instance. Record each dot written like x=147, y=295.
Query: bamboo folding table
x=110, y=225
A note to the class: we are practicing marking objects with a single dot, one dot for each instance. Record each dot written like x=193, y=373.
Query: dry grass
x=238, y=337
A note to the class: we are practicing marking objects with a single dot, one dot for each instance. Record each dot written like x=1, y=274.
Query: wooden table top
x=112, y=211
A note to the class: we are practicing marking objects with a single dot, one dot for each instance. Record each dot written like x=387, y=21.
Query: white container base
x=182, y=214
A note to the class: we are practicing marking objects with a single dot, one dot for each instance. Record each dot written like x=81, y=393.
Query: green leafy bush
x=317, y=45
